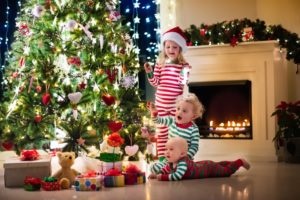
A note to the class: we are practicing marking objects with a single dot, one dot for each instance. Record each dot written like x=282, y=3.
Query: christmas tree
x=72, y=75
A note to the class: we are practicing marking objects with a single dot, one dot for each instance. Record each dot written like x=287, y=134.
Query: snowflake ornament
x=37, y=11
x=128, y=81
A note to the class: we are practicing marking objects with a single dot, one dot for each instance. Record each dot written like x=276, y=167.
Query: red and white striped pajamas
x=168, y=80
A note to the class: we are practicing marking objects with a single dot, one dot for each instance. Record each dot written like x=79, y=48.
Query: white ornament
x=131, y=150
x=101, y=40
x=37, y=11
x=71, y=25
x=75, y=97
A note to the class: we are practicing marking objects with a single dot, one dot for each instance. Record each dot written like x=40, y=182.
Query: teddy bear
x=66, y=175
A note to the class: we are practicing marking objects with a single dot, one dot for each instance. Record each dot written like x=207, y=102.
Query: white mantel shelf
x=264, y=64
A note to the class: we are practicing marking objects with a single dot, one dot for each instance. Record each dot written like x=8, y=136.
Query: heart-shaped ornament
x=131, y=150
x=115, y=126
x=108, y=99
x=7, y=145
x=75, y=97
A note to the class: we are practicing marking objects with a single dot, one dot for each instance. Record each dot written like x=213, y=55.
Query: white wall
x=186, y=12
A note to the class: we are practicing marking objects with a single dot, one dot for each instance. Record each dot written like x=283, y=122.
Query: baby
x=179, y=165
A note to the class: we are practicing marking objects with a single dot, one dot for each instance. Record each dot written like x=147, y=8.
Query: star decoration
x=80, y=141
x=26, y=50
x=136, y=20
x=136, y=4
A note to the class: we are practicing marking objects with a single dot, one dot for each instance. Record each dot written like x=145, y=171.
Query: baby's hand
x=158, y=177
x=152, y=176
x=147, y=67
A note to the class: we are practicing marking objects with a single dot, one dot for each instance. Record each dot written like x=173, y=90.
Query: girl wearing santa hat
x=169, y=77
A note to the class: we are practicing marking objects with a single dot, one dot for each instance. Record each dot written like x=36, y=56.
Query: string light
x=4, y=40
x=143, y=21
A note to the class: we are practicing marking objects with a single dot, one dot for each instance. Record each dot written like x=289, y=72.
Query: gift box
x=88, y=183
x=32, y=184
x=114, y=181
x=50, y=184
x=105, y=166
x=16, y=170
x=134, y=178
x=133, y=175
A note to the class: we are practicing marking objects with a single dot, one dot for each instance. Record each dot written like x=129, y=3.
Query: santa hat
x=176, y=35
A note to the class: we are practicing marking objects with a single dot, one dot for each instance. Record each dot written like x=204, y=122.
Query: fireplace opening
x=227, y=109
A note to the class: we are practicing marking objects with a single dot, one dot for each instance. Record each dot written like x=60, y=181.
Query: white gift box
x=16, y=170
x=105, y=166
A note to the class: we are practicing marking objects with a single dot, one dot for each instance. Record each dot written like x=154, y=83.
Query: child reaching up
x=169, y=77
x=188, y=108
x=180, y=166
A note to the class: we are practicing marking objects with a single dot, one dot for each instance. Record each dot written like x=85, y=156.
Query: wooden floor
x=264, y=181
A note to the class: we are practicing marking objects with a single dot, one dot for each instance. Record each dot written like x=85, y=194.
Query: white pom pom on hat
x=176, y=35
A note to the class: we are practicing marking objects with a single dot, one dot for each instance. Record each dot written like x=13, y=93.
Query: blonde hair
x=162, y=57
x=178, y=142
x=193, y=99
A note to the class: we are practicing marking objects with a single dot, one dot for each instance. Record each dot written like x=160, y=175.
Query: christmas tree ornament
x=74, y=60
x=38, y=88
x=111, y=75
x=7, y=145
x=22, y=61
x=131, y=150
x=128, y=82
x=15, y=74
x=82, y=85
x=101, y=41
x=38, y=118
x=75, y=97
x=70, y=25
x=80, y=141
x=37, y=11
x=23, y=29
x=108, y=99
x=115, y=140
x=115, y=126
x=46, y=99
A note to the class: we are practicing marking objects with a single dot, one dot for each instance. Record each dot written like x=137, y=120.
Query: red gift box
x=50, y=184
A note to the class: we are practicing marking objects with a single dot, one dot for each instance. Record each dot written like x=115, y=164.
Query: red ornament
x=15, y=74
x=115, y=126
x=74, y=60
x=202, y=32
x=46, y=99
x=24, y=29
x=111, y=74
x=38, y=89
x=233, y=41
x=22, y=62
x=82, y=85
x=7, y=145
x=38, y=118
x=108, y=99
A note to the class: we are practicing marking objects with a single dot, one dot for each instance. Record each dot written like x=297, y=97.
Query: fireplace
x=260, y=67
x=228, y=109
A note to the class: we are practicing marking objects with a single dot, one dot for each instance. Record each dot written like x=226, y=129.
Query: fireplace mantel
x=262, y=63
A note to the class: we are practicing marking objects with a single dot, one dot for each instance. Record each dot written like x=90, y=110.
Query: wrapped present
x=106, y=166
x=114, y=178
x=32, y=183
x=133, y=175
x=16, y=170
x=50, y=184
x=90, y=181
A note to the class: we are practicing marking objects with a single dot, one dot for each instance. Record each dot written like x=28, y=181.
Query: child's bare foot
x=246, y=165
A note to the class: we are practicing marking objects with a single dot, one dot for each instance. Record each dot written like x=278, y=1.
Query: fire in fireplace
x=227, y=109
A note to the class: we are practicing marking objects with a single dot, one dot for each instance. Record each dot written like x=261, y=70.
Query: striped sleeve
x=178, y=174
x=154, y=79
x=194, y=142
x=167, y=121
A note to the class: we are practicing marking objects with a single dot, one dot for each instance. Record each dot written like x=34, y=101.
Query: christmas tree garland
x=245, y=30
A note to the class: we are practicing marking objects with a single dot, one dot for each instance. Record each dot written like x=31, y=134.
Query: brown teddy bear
x=66, y=175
